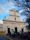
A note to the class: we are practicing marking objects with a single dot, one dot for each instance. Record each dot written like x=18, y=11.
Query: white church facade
x=13, y=21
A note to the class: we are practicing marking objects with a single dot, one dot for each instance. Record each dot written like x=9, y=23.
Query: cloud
x=6, y=7
x=21, y=11
x=9, y=4
x=1, y=10
x=1, y=22
x=23, y=18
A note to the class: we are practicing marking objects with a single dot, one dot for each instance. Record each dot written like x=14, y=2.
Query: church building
x=13, y=22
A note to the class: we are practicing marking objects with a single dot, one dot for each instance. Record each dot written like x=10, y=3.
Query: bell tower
x=14, y=15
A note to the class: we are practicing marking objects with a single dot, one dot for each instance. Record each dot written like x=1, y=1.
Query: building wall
x=13, y=20
x=12, y=25
x=1, y=27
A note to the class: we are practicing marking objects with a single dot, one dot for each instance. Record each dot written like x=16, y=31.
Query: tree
x=27, y=0
x=28, y=20
x=27, y=8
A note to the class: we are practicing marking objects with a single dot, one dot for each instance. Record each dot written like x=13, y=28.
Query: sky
x=5, y=6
